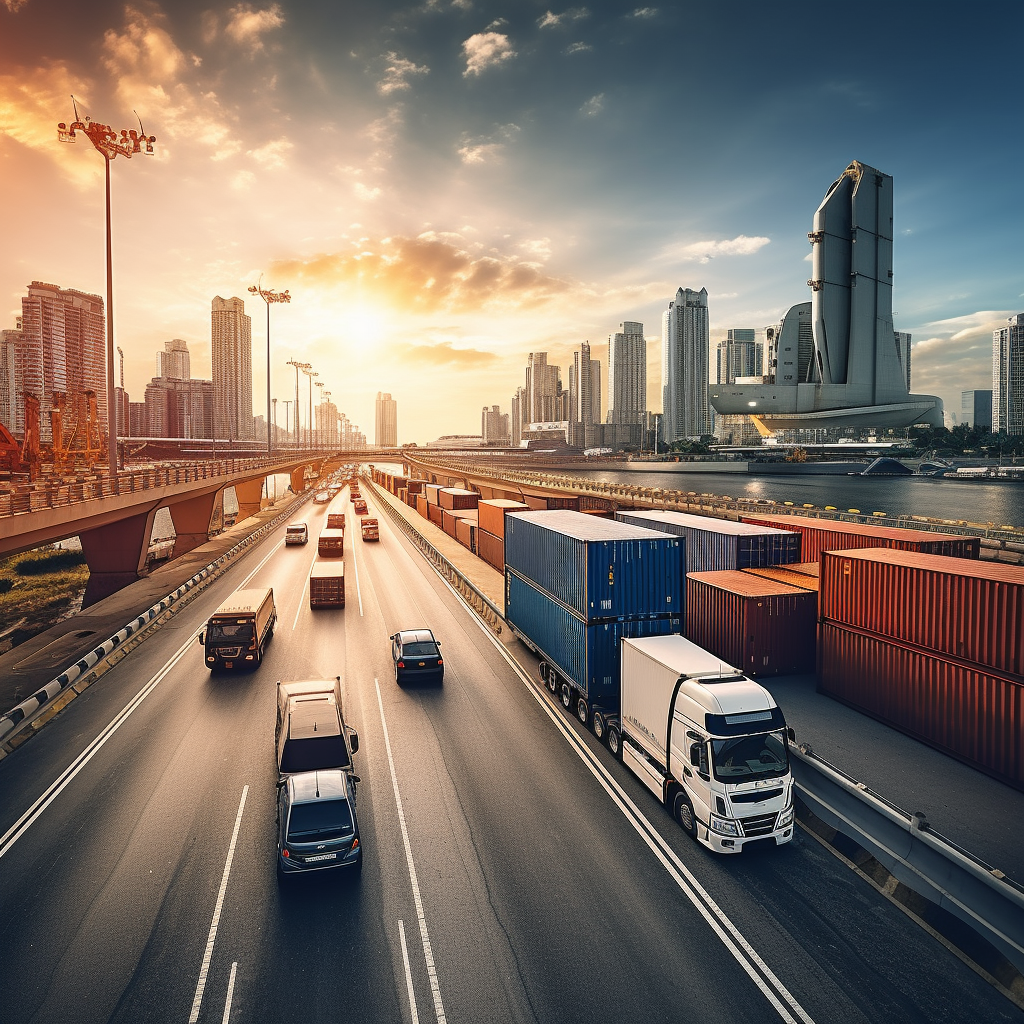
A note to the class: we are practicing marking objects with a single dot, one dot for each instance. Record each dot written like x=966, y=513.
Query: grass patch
x=41, y=562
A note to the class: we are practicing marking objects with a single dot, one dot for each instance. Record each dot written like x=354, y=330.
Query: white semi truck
x=710, y=743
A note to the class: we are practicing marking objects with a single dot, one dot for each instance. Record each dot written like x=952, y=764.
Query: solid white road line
x=21, y=826
x=204, y=970
x=266, y=559
x=428, y=954
x=359, y=593
x=302, y=595
x=231, y=992
x=787, y=1006
x=408, y=974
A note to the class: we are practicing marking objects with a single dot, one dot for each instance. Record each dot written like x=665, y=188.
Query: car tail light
x=401, y=664
x=440, y=661
x=355, y=844
x=284, y=852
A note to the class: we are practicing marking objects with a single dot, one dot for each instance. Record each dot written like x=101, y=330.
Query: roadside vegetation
x=37, y=589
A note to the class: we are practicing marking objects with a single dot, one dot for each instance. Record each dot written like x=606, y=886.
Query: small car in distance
x=417, y=656
x=316, y=823
x=296, y=533
x=321, y=498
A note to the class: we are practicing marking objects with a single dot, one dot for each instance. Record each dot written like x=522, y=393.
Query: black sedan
x=417, y=655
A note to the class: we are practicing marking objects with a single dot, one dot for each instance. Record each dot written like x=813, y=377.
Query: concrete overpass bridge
x=114, y=517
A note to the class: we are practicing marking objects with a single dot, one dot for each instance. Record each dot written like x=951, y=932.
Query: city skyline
x=445, y=190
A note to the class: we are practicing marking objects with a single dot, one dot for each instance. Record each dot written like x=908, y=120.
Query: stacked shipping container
x=931, y=645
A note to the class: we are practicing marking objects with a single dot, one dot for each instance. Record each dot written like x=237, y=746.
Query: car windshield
x=419, y=650
x=744, y=757
x=324, y=819
x=220, y=631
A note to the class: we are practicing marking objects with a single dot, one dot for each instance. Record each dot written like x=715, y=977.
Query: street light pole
x=310, y=373
x=108, y=144
x=298, y=429
x=287, y=416
x=268, y=295
x=320, y=418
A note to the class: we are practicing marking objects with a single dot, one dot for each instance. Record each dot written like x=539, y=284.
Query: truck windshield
x=745, y=757
x=221, y=632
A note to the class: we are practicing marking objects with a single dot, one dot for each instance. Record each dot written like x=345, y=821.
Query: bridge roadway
x=548, y=884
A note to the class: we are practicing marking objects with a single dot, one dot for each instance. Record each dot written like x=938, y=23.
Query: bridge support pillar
x=299, y=479
x=192, y=518
x=116, y=554
x=249, y=493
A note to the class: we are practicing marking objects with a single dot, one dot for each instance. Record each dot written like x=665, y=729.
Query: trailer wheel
x=566, y=696
x=582, y=710
x=552, y=680
x=614, y=742
x=598, y=725
x=682, y=811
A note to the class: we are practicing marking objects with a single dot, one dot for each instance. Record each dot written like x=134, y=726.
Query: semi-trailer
x=709, y=743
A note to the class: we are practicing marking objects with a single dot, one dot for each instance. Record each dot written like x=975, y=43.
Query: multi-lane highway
x=513, y=871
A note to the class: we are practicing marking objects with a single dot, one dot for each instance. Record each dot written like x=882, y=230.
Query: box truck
x=327, y=583
x=711, y=744
x=237, y=633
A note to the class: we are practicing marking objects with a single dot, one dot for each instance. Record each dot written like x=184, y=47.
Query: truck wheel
x=614, y=742
x=566, y=696
x=582, y=711
x=552, y=680
x=598, y=725
x=682, y=811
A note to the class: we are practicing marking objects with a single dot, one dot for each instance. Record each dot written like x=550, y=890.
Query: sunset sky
x=447, y=186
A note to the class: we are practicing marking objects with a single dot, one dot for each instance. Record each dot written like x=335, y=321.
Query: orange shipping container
x=465, y=534
x=819, y=535
x=434, y=513
x=421, y=505
x=761, y=626
x=962, y=709
x=960, y=607
x=331, y=543
x=456, y=497
x=327, y=584
x=492, y=514
x=491, y=549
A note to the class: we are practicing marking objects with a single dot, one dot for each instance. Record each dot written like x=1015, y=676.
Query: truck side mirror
x=695, y=754
x=354, y=738
x=202, y=638
x=790, y=732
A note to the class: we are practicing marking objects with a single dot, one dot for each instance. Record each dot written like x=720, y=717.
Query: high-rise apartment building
x=327, y=423
x=386, y=432
x=12, y=414
x=518, y=417
x=494, y=426
x=178, y=408
x=584, y=398
x=686, y=341
x=1008, y=376
x=232, y=369
x=627, y=375
x=739, y=355
x=543, y=389
x=174, y=362
x=976, y=408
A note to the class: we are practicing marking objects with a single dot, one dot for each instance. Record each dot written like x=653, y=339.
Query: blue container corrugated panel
x=716, y=544
x=586, y=654
x=598, y=568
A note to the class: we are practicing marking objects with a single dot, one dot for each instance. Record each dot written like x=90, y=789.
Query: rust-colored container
x=806, y=568
x=492, y=514
x=335, y=521
x=764, y=627
x=421, y=505
x=465, y=533
x=434, y=514
x=566, y=501
x=331, y=543
x=831, y=535
x=402, y=494
x=455, y=497
x=962, y=709
x=398, y=482
x=491, y=549
x=432, y=490
x=415, y=486
x=450, y=517
x=783, y=574
x=960, y=607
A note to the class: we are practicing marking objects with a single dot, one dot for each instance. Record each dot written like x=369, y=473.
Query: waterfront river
x=974, y=501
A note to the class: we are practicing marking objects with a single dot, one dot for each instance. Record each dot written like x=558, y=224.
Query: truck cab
x=237, y=633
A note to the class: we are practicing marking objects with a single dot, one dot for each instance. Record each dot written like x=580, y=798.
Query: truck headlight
x=786, y=817
x=725, y=826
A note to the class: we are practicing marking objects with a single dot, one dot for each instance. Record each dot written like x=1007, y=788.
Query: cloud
x=567, y=17
x=14, y=5
x=272, y=155
x=578, y=48
x=643, y=12
x=365, y=193
x=486, y=149
x=428, y=274
x=484, y=50
x=702, y=252
x=445, y=354
x=243, y=180
x=397, y=71
x=539, y=248
x=593, y=106
x=247, y=26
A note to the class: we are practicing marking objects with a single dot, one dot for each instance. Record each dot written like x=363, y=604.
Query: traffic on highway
x=160, y=840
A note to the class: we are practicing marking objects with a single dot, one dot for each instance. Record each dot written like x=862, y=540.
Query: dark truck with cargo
x=327, y=583
x=237, y=633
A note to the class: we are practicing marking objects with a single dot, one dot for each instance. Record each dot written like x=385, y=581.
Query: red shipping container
x=959, y=708
x=450, y=517
x=960, y=607
x=455, y=497
x=806, y=568
x=491, y=549
x=434, y=515
x=465, y=533
x=819, y=535
x=492, y=514
x=431, y=491
x=783, y=574
x=762, y=627
x=416, y=486
x=421, y=505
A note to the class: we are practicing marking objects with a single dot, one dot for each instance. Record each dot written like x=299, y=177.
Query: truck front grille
x=229, y=652
x=761, y=825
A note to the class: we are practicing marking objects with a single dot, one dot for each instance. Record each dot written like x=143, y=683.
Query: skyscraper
x=740, y=355
x=1008, y=376
x=627, y=375
x=386, y=432
x=232, y=369
x=174, y=362
x=494, y=425
x=685, y=347
x=518, y=416
x=976, y=408
x=543, y=389
x=584, y=398
x=12, y=414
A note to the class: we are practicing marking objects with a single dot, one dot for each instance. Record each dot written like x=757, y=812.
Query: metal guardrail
x=479, y=602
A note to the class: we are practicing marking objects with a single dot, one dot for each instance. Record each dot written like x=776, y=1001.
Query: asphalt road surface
x=512, y=870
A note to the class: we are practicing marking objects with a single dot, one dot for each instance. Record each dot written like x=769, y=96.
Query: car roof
x=312, y=717
x=411, y=636
x=325, y=784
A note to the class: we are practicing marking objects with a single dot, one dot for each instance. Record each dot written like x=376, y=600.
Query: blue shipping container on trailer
x=713, y=545
x=597, y=568
x=585, y=654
